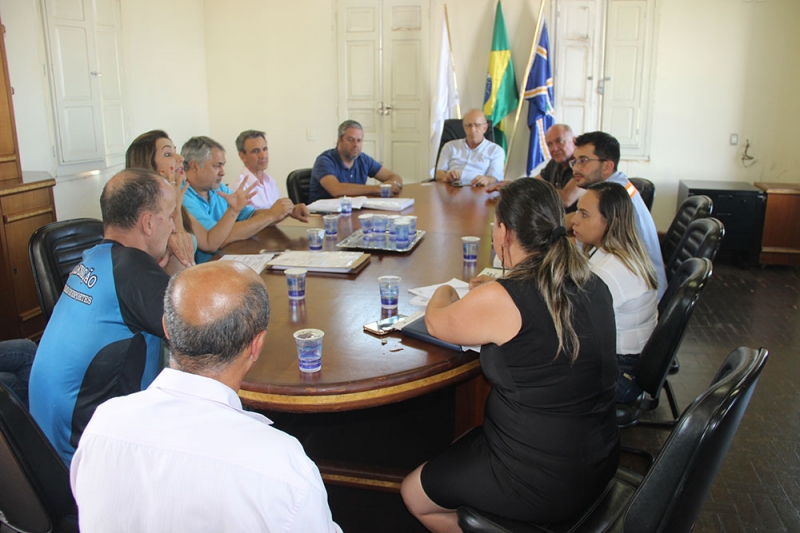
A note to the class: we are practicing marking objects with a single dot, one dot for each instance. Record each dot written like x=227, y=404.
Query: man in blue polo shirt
x=343, y=171
x=204, y=159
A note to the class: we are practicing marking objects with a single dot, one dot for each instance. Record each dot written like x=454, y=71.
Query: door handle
x=387, y=109
x=601, y=85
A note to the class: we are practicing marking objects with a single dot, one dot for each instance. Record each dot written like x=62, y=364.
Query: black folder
x=418, y=330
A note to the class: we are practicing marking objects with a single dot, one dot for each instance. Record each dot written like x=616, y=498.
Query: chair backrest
x=55, y=249
x=454, y=129
x=694, y=207
x=663, y=344
x=298, y=185
x=702, y=238
x=35, y=493
x=647, y=189
x=673, y=491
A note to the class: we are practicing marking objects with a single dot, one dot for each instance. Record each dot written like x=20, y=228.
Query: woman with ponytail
x=604, y=225
x=549, y=442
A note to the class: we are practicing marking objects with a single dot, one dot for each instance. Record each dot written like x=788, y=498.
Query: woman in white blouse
x=604, y=224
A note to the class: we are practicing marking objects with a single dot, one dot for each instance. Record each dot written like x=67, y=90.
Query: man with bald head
x=183, y=455
x=104, y=337
x=473, y=160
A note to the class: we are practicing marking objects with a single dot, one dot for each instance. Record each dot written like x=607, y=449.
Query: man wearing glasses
x=596, y=158
x=474, y=160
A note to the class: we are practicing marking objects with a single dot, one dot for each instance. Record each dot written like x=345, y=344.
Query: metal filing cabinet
x=739, y=206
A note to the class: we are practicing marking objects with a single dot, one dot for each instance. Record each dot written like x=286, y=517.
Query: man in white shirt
x=254, y=153
x=183, y=455
x=474, y=160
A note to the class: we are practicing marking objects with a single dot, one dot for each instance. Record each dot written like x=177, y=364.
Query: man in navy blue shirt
x=343, y=171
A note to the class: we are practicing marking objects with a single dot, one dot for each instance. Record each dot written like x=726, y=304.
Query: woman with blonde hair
x=604, y=224
x=154, y=150
x=549, y=442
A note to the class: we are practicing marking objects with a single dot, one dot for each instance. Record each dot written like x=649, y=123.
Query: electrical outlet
x=311, y=134
x=734, y=139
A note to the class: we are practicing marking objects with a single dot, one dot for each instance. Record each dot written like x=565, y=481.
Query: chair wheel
x=675, y=366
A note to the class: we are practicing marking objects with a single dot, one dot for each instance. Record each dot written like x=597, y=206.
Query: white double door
x=603, y=67
x=384, y=79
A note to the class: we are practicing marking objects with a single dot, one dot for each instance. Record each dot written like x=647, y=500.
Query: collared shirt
x=635, y=304
x=646, y=228
x=184, y=456
x=208, y=212
x=486, y=159
x=329, y=163
x=267, y=192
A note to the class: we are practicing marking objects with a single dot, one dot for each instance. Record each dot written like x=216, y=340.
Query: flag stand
x=452, y=59
x=531, y=58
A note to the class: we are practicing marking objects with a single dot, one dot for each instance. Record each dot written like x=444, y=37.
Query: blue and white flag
x=539, y=94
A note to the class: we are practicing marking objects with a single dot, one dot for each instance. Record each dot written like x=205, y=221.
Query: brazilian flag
x=501, y=96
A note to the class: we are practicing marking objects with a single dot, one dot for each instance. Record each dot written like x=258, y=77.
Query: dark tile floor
x=758, y=488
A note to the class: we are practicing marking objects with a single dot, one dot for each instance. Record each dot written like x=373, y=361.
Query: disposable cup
x=386, y=190
x=296, y=283
x=331, y=224
x=390, y=291
x=470, y=246
x=366, y=223
x=315, y=238
x=309, y=349
x=346, y=205
x=412, y=221
x=402, y=228
x=379, y=223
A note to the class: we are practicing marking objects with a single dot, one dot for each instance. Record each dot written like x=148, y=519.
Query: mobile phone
x=382, y=327
x=458, y=183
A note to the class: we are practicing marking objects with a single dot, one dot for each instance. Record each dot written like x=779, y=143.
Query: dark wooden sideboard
x=780, y=243
x=25, y=206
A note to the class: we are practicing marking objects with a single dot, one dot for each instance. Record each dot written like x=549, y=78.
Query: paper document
x=388, y=204
x=318, y=261
x=333, y=205
x=422, y=295
x=496, y=273
x=257, y=262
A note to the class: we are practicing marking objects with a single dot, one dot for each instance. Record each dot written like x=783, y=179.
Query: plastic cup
x=390, y=222
x=315, y=238
x=346, y=205
x=470, y=246
x=331, y=224
x=309, y=349
x=412, y=219
x=366, y=223
x=390, y=291
x=296, y=282
x=379, y=223
x=386, y=190
x=402, y=228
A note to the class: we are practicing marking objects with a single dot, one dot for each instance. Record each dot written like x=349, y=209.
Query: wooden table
x=780, y=243
x=358, y=369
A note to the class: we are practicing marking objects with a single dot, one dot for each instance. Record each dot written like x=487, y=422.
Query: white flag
x=445, y=96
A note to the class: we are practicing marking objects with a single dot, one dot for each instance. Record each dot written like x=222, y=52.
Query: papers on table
x=333, y=205
x=339, y=262
x=257, y=262
x=496, y=273
x=388, y=204
x=422, y=295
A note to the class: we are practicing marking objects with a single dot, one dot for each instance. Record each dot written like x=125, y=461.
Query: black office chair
x=657, y=355
x=670, y=496
x=454, y=129
x=702, y=238
x=694, y=207
x=298, y=184
x=35, y=495
x=55, y=249
x=646, y=189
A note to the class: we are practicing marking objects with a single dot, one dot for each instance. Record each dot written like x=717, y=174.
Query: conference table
x=361, y=370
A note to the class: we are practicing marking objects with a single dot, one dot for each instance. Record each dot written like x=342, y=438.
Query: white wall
x=272, y=67
x=220, y=66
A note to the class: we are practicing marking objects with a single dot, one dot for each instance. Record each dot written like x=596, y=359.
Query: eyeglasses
x=582, y=161
x=476, y=125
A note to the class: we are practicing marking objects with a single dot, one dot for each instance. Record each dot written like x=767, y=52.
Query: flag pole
x=452, y=59
x=531, y=58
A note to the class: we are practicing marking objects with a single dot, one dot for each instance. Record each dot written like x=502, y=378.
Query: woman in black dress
x=549, y=442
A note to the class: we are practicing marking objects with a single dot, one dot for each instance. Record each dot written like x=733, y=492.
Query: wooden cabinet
x=25, y=206
x=740, y=208
x=780, y=244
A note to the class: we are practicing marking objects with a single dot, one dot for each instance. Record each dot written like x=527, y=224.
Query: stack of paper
x=257, y=262
x=422, y=295
x=342, y=262
x=389, y=204
x=333, y=205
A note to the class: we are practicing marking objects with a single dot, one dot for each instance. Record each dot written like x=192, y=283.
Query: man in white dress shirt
x=474, y=160
x=183, y=455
